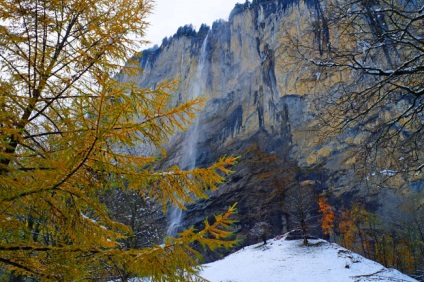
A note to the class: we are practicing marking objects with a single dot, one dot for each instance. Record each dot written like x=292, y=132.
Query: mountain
x=281, y=260
x=259, y=107
x=262, y=104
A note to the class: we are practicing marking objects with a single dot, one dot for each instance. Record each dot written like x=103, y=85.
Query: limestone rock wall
x=248, y=69
x=259, y=106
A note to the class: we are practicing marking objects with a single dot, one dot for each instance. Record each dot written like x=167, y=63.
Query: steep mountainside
x=261, y=107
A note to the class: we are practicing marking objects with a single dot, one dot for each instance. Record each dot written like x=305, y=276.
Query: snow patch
x=282, y=260
x=388, y=172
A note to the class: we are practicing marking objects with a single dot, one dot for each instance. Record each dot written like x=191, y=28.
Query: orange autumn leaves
x=327, y=221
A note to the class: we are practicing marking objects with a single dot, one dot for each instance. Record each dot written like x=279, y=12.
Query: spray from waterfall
x=189, y=159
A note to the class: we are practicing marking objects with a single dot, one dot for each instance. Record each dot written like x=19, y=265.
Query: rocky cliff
x=260, y=106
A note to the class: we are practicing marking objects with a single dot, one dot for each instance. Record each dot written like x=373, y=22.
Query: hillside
x=282, y=260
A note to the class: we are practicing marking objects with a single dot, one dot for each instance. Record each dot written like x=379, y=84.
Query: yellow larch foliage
x=66, y=124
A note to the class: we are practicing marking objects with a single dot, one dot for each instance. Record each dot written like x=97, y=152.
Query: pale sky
x=168, y=15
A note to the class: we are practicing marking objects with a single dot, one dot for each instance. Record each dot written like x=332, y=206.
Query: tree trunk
x=304, y=228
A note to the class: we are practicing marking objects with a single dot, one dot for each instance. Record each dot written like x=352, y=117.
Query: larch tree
x=64, y=117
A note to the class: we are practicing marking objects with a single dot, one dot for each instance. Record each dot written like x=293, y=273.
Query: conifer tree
x=64, y=119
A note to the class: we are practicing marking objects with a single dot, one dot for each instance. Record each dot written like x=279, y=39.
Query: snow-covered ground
x=281, y=261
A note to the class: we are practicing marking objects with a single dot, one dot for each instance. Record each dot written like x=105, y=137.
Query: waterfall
x=188, y=161
x=175, y=217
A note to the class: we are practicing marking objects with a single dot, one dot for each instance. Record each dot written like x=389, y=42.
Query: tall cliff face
x=260, y=106
x=251, y=82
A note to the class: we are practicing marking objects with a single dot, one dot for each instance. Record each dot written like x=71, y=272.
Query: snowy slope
x=290, y=261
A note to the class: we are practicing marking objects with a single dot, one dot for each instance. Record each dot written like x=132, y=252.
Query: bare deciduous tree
x=261, y=230
x=300, y=202
x=372, y=64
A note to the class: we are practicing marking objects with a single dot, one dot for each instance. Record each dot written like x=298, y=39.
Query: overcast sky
x=168, y=15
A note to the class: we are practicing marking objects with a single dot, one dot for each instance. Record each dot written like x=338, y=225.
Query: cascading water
x=175, y=217
x=189, y=159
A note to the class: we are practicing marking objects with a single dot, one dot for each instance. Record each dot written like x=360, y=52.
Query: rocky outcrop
x=259, y=107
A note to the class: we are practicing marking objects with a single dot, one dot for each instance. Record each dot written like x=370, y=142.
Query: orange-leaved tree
x=327, y=220
x=352, y=225
x=64, y=119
